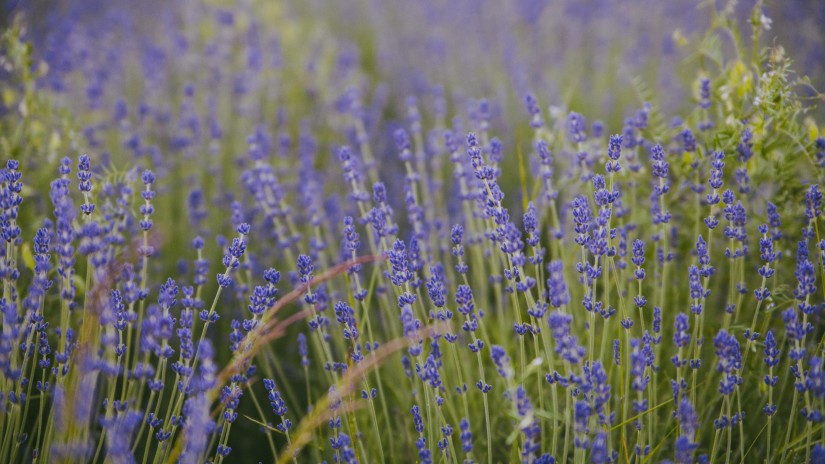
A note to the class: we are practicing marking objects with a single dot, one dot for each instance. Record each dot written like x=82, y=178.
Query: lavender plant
x=237, y=235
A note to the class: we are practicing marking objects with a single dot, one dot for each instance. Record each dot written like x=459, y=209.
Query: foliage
x=279, y=247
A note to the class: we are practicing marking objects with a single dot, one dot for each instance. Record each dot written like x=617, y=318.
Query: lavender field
x=465, y=231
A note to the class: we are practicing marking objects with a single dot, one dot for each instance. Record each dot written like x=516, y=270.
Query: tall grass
x=232, y=237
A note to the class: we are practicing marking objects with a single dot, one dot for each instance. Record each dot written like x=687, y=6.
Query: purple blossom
x=533, y=109
x=576, y=128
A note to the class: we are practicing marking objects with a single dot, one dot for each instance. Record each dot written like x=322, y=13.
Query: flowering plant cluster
x=224, y=243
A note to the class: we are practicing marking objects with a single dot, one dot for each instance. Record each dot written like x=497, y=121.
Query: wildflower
x=805, y=276
x=660, y=165
x=466, y=436
x=745, y=146
x=346, y=454
x=278, y=405
x=598, y=451
x=411, y=326
x=536, y=119
x=689, y=425
x=566, y=344
x=638, y=368
x=233, y=255
x=581, y=415
x=729, y=363
x=528, y=425
x=688, y=140
x=597, y=390
x=345, y=315
x=435, y=288
x=546, y=161
x=582, y=218
x=576, y=128
x=697, y=291
x=557, y=292
x=771, y=360
x=84, y=175
x=614, y=152
x=263, y=297
x=302, y=349
x=65, y=214
x=398, y=260
x=681, y=337
x=501, y=361
x=119, y=430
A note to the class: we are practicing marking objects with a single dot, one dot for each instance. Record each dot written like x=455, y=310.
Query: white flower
x=765, y=22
